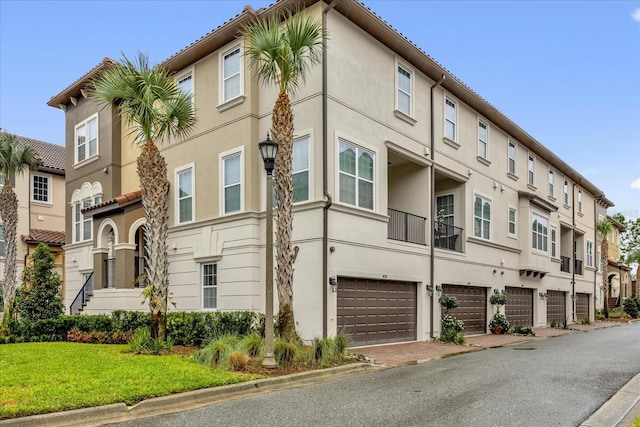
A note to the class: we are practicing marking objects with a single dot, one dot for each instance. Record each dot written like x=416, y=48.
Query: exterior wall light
x=333, y=282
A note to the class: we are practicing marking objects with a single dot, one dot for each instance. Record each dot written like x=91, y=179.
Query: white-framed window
x=357, y=174
x=87, y=195
x=209, y=286
x=512, y=230
x=554, y=236
x=186, y=84
x=185, y=197
x=551, y=181
x=531, y=167
x=483, y=140
x=482, y=217
x=580, y=201
x=1, y=241
x=445, y=209
x=86, y=139
x=450, y=119
x=511, y=154
x=232, y=173
x=566, y=192
x=300, y=169
x=41, y=188
x=539, y=233
x=404, y=86
x=231, y=66
x=589, y=253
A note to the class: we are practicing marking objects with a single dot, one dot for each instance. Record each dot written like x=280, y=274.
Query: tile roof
x=52, y=155
x=45, y=236
x=120, y=200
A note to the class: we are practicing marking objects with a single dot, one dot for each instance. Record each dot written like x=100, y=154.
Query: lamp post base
x=269, y=361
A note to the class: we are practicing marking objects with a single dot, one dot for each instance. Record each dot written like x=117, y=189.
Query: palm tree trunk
x=283, y=134
x=604, y=258
x=152, y=170
x=9, y=213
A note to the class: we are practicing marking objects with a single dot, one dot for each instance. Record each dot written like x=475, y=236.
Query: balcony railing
x=110, y=273
x=447, y=237
x=80, y=301
x=406, y=227
x=577, y=266
x=565, y=263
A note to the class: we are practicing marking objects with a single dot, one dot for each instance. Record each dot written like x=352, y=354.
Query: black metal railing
x=109, y=273
x=407, y=227
x=447, y=237
x=565, y=263
x=139, y=270
x=83, y=296
x=577, y=266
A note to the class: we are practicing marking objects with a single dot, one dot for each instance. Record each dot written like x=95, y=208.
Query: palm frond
x=15, y=157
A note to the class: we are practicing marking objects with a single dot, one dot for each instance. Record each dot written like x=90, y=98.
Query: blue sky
x=567, y=72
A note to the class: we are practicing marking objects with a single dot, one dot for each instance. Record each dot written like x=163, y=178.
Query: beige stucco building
x=408, y=185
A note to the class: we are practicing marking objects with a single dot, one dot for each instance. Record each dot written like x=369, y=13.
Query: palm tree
x=151, y=103
x=15, y=159
x=604, y=227
x=282, y=54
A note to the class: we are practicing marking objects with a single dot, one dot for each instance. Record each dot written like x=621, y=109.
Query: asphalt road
x=554, y=382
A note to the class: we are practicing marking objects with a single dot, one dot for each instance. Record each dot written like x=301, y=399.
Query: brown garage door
x=472, y=307
x=582, y=306
x=556, y=307
x=376, y=311
x=519, y=308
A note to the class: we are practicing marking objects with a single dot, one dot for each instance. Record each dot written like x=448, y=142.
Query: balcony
x=447, y=237
x=565, y=263
x=406, y=227
x=577, y=266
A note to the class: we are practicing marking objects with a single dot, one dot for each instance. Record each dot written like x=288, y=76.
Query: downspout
x=325, y=182
x=573, y=238
x=595, y=252
x=432, y=191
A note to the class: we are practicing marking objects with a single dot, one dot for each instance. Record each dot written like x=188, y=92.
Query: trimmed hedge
x=184, y=328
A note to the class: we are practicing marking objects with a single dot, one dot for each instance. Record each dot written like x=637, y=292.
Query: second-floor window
x=580, y=201
x=531, y=170
x=81, y=224
x=40, y=189
x=86, y=139
x=512, y=222
x=451, y=118
x=356, y=175
x=300, y=169
x=231, y=83
x=554, y=232
x=539, y=230
x=483, y=140
x=482, y=218
x=551, y=182
x=589, y=253
x=185, y=83
x=232, y=183
x=512, y=158
x=566, y=192
x=185, y=196
x=404, y=91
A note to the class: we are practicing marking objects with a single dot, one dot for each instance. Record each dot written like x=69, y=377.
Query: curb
x=614, y=410
x=188, y=400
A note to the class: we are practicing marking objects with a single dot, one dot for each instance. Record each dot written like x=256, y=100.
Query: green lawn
x=38, y=378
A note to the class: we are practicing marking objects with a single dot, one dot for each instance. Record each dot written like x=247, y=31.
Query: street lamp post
x=268, y=150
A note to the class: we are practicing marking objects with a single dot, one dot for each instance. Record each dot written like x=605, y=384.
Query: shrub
x=498, y=300
x=452, y=336
x=142, y=343
x=253, y=345
x=499, y=324
x=523, y=330
x=450, y=323
x=215, y=354
x=586, y=321
x=448, y=302
x=238, y=361
x=284, y=351
x=631, y=306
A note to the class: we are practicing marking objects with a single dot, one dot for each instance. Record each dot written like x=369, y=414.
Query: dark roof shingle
x=50, y=237
x=52, y=155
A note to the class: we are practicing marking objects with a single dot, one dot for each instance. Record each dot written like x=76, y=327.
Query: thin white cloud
x=636, y=15
x=636, y=183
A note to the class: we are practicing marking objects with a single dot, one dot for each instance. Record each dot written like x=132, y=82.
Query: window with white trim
x=539, y=233
x=566, y=192
x=589, y=253
x=580, y=201
x=1, y=240
x=531, y=167
x=511, y=153
x=209, y=286
x=551, y=181
x=404, y=91
x=512, y=222
x=185, y=195
x=82, y=224
x=482, y=218
x=445, y=209
x=185, y=84
x=483, y=140
x=356, y=175
x=231, y=74
x=86, y=139
x=450, y=119
x=40, y=188
x=300, y=169
x=232, y=183
x=554, y=234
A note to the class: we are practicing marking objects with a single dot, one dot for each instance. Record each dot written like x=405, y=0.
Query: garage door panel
x=472, y=307
x=384, y=311
x=582, y=306
x=556, y=306
x=519, y=307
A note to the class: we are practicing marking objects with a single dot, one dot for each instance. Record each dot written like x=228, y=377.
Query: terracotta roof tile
x=125, y=198
x=45, y=236
x=51, y=155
